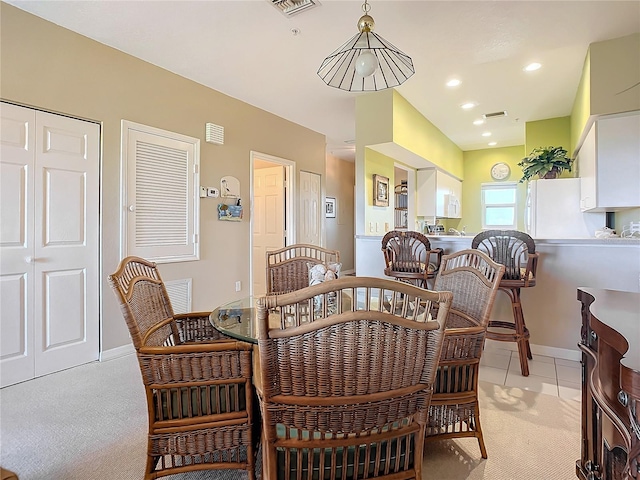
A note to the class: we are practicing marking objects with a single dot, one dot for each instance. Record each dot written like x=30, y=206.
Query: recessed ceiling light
x=478, y=122
x=468, y=105
x=454, y=82
x=486, y=134
x=492, y=144
x=532, y=67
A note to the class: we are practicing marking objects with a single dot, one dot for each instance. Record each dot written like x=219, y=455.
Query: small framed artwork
x=330, y=207
x=380, y=191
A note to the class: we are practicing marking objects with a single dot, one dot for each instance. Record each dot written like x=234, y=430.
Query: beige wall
x=614, y=93
x=54, y=69
x=339, y=231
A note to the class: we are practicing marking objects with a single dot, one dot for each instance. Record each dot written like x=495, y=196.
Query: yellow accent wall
x=378, y=220
x=477, y=170
x=406, y=128
x=414, y=132
x=581, y=106
x=555, y=132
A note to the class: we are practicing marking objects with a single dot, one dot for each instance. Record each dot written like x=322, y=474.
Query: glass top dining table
x=237, y=319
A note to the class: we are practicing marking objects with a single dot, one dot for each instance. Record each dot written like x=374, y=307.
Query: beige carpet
x=89, y=423
x=528, y=436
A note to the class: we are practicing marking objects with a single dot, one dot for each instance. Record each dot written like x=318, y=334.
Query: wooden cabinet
x=610, y=385
x=609, y=164
x=438, y=194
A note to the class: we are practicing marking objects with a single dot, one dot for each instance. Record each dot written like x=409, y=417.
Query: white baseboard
x=348, y=272
x=543, y=350
x=117, y=352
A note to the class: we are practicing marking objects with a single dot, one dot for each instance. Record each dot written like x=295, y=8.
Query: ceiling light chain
x=366, y=62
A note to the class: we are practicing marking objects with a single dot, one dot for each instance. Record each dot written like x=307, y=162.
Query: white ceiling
x=246, y=49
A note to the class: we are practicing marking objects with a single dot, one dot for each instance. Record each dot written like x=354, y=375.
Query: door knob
x=30, y=259
x=132, y=208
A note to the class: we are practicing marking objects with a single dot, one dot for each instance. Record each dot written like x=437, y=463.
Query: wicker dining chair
x=408, y=257
x=197, y=381
x=344, y=392
x=473, y=278
x=517, y=252
x=288, y=267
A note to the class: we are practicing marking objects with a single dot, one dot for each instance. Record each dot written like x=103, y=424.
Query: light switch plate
x=203, y=192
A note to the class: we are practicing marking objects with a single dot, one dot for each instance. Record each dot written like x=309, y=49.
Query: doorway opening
x=272, y=212
x=404, y=197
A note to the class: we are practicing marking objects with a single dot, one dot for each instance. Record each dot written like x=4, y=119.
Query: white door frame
x=290, y=221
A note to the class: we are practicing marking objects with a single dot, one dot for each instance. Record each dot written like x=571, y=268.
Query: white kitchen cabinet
x=609, y=164
x=439, y=194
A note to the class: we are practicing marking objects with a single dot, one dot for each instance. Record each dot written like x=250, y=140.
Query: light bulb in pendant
x=366, y=64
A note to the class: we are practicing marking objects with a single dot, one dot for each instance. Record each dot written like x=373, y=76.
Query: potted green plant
x=548, y=162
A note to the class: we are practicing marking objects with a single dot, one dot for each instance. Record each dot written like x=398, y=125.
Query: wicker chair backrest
x=406, y=251
x=507, y=247
x=354, y=378
x=143, y=300
x=288, y=268
x=473, y=278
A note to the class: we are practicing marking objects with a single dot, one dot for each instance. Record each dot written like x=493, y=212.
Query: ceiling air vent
x=290, y=8
x=503, y=113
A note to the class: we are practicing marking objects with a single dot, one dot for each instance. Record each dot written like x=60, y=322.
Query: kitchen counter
x=550, y=308
x=614, y=241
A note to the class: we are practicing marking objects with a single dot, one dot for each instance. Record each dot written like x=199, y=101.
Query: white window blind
x=160, y=201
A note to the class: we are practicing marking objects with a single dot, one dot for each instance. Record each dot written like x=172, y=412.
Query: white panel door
x=310, y=201
x=268, y=220
x=51, y=276
x=17, y=160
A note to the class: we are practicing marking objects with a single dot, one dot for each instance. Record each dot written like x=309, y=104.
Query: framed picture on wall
x=330, y=207
x=380, y=191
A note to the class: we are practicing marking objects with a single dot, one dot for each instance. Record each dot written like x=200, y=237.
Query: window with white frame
x=499, y=206
x=160, y=201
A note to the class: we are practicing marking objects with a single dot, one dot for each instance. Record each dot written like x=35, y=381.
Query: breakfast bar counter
x=552, y=314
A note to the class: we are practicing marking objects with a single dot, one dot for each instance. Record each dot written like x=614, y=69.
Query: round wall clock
x=500, y=171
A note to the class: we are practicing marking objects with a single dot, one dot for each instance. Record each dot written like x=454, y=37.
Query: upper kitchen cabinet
x=438, y=194
x=609, y=164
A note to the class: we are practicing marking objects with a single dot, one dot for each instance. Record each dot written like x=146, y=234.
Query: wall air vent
x=214, y=133
x=290, y=8
x=503, y=113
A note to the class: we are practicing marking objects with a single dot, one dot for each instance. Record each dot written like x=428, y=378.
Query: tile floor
x=548, y=375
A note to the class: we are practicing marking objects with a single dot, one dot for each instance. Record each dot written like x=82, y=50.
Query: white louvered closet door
x=160, y=201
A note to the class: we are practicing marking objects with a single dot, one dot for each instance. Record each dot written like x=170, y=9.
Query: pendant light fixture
x=366, y=62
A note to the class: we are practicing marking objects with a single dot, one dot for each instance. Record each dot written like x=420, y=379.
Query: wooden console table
x=610, y=344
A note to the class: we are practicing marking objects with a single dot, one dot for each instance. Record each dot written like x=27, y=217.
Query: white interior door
x=17, y=162
x=268, y=220
x=50, y=276
x=310, y=208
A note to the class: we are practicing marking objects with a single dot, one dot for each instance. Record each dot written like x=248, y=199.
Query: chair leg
x=478, y=429
x=522, y=333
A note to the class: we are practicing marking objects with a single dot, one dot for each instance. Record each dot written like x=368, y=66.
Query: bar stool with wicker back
x=408, y=257
x=517, y=252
